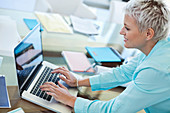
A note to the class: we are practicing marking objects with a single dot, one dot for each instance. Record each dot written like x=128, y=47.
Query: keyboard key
x=46, y=76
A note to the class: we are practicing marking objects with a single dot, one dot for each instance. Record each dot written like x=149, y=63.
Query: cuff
x=95, y=82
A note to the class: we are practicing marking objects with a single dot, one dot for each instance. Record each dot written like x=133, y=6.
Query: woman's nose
x=122, y=31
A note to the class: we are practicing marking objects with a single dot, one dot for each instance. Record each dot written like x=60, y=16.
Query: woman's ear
x=150, y=34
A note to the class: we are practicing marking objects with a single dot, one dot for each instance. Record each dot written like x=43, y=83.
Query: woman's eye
x=127, y=28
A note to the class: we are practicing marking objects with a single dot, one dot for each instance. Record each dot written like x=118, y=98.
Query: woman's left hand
x=59, y=92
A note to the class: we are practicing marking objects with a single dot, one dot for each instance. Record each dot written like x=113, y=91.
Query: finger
x=61, y=85
x=56, y=70
x=60, y=68
x=54, y=95
x=48, y=88
x=63, y=78
x=65, y=68
x=51, y=84
x=65, y=73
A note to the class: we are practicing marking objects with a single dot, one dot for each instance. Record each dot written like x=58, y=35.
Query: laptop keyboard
x=46, y=76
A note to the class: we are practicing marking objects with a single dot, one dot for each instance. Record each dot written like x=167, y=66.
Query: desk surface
x=57, y=42
x=27, y=106
x=17, y=102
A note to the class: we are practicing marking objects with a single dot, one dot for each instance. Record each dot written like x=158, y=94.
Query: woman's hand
x=59, y=92
x=69, y=78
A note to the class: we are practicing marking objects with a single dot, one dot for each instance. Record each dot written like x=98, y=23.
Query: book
x=4, y=98
x=31, y=23
x=77, y=61
x=107, y=56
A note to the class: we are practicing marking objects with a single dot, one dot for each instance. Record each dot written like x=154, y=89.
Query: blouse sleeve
x=148, y=88
x=116, y=77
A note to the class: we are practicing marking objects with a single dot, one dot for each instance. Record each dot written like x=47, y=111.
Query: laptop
x=32, y=72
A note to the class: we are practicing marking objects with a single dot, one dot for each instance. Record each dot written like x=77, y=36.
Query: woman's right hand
x=66, y=76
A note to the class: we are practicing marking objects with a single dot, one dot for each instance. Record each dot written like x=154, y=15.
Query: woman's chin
x=127, y=46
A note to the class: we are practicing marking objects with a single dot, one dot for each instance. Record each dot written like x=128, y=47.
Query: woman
x=146, y=27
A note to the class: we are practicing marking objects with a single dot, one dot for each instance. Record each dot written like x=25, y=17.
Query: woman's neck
x=149, y=46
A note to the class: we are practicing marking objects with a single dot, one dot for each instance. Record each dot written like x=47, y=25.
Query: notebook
x=34, y=73
x=77, y=61
x=4, y=98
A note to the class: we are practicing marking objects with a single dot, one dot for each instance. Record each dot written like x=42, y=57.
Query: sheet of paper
x=83, y=26
x=9, y=35
x=53, y=22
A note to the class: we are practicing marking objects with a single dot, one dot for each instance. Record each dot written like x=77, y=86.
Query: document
x=4, y=99
x=54, y=22
x=83, y=26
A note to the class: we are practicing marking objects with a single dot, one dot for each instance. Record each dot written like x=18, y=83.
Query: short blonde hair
x=150, y=14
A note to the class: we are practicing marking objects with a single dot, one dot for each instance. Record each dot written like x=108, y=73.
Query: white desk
x=55, y=42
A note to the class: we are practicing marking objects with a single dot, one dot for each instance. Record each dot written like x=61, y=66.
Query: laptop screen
x=28, y=53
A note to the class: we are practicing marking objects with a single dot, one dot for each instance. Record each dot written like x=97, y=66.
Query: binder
x=107, y=56
x=77, y=61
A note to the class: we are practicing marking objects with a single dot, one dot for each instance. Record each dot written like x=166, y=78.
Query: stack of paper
x=53, y=22
x=77, y=61
x=83, y=26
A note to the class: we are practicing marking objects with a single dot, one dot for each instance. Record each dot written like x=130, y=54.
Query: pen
x=92, y=66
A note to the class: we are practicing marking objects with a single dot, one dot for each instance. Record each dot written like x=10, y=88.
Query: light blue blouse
x=149, y=90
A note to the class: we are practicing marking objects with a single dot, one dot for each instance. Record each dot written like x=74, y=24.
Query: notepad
x=4, y=99
x=103, y=54
x=77, y=61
